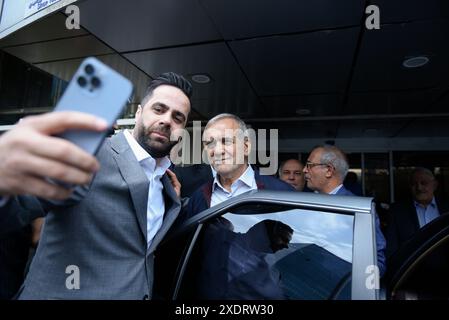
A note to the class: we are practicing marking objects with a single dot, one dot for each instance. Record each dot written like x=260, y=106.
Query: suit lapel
x=172, y=207
x=344, y=192
x=414, y=217
x=443, y=206
x=138, y=184
x=258, y=178
x=135, y=178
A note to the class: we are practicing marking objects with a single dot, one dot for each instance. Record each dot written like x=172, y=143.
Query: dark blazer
x=380, y=239
x=101, y=231
x=403, y=223
x=238, y=256
x=14, y=252
x=192, y=177
x=201, y=198
x=10, y=221
x=212, y=282
x=344, y=192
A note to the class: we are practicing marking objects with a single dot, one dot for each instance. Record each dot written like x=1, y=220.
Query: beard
x=156, y=147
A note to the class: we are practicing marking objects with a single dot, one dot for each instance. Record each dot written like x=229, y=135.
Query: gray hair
x=422, y=170
x=221, y=116
x=335, y=157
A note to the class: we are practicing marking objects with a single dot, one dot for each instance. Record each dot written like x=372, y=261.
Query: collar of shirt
x=141, y=155
x=336, y=189
x=247, y=178
x=433, y=204
x=154, y=171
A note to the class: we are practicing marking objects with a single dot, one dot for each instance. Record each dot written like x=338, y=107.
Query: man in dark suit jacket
x=225, y=141
x=192, y=177
x=234, y=265
x=201, y=199
x=325, y=171
x=99, y=244
x=406, y=218
x=225, y=138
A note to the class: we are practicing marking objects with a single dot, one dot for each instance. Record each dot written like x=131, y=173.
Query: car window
x=283, y=253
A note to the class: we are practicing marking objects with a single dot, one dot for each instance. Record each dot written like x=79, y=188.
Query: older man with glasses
x=325, y=171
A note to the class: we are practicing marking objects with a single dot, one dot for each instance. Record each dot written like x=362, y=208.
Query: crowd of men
x=124, y=200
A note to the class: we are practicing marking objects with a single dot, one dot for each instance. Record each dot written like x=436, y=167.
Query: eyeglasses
x=310, y=165
x=225, y=141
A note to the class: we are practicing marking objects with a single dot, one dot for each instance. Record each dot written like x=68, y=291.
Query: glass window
x=261, y=252
x=377, y=176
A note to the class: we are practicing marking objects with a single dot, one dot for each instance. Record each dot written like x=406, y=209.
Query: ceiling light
x=200, y=78
x=415, y=62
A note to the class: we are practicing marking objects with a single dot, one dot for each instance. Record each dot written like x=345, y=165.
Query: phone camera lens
x=89, y=69
x=95, y=82
x=82, y=81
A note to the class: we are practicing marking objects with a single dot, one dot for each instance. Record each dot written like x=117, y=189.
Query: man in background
x=291, y=171
x=407, y=217
x=325, y=171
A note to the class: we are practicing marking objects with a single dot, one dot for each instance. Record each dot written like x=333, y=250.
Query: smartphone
x=98, y=90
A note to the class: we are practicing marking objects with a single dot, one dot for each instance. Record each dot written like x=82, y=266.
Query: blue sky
x=333, y=232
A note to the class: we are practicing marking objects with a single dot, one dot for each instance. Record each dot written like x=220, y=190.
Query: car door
x=273, y=245
x=418, y=270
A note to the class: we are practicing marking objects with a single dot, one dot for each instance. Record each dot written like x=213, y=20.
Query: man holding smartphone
x=29, y=155
x=99, y=243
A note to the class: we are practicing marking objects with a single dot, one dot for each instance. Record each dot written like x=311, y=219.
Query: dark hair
x=171, y=79
x=275, y=228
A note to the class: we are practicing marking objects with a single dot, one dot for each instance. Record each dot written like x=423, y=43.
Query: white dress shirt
x=154, y=171
x=426, y=214
x=244, y=183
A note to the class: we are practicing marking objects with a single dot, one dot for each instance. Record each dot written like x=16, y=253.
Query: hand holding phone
x=98, y=90
x=30, y=155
